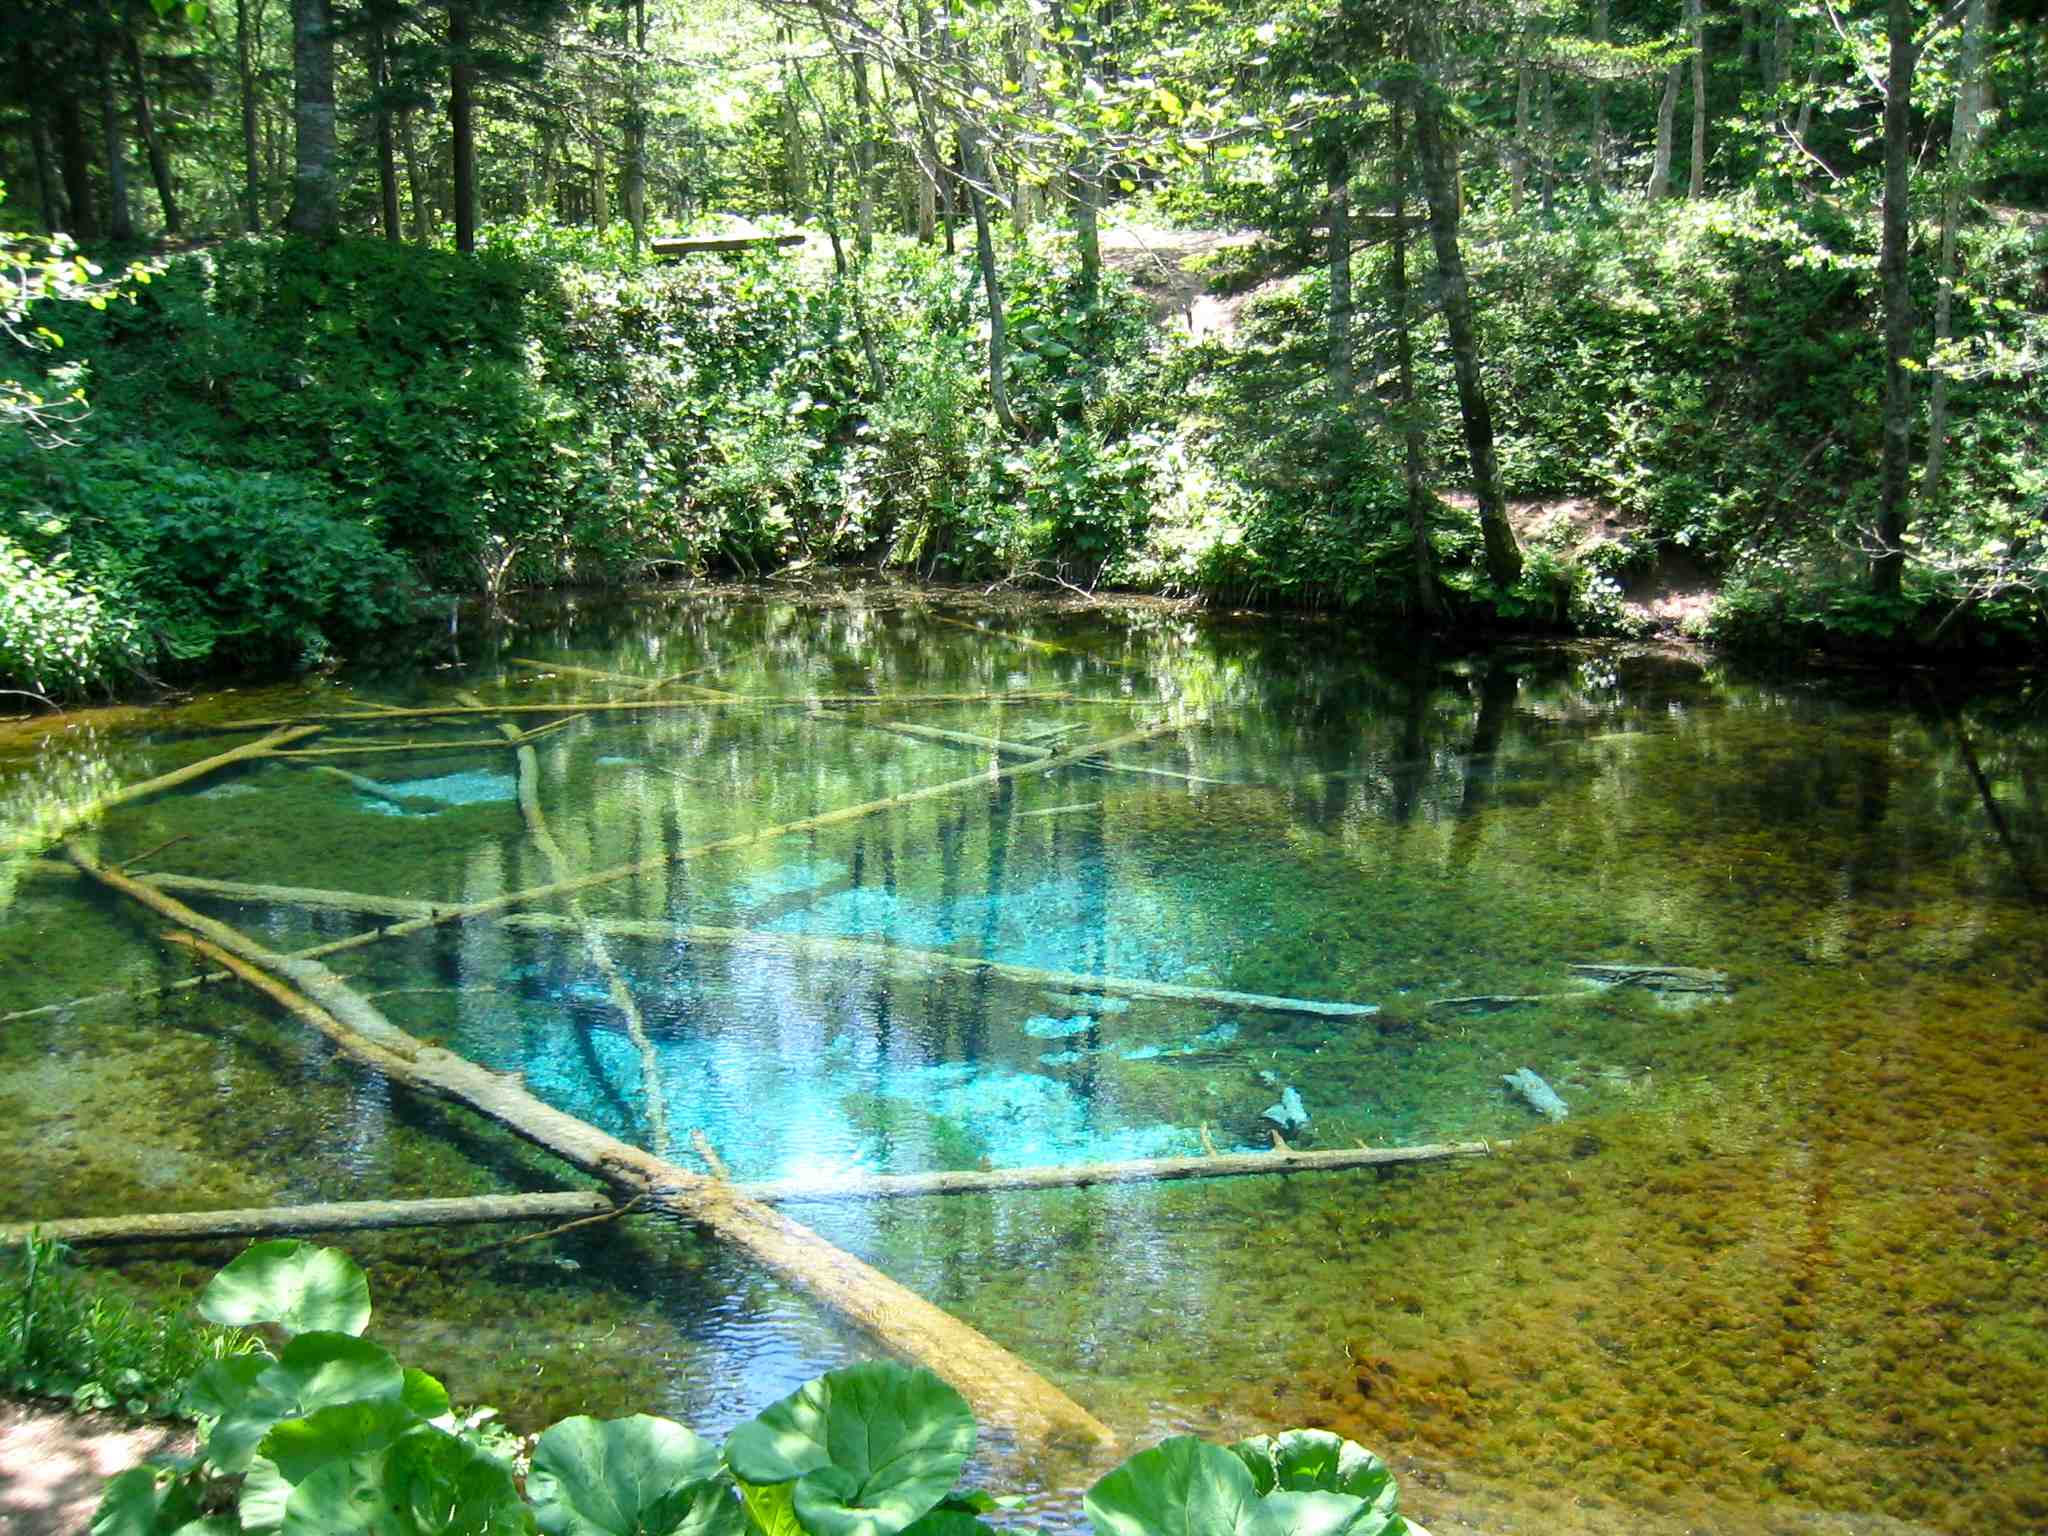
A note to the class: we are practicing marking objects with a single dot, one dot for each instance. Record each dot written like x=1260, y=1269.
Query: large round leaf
x=299, y=1286
x=1316, y=1461
x=339, y=1432
x=870, y=1448
x=427, y=1483
x=319, y=1370
x=618, y=1477
x=1180, y=1486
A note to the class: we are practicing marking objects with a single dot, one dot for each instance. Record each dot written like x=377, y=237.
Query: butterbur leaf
x=1314, y=1460
x=709, y=1508
x=948, y=1522
x=259, y=1507
x=422, y=1394
x=1282, y=1513
x=142, y=1502
x=771, y=1508
x=222, y=1387
x=1180, y=1485
x=868, y=1448
x=318, y=1370
x=596, y=1477
x=442, y=1486
x=341, y=1432
x=299, y=1286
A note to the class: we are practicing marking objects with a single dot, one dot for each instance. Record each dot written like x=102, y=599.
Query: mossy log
x=290, y=1220
x=376, y=1215
x=78, y=816
x=1000, y=1385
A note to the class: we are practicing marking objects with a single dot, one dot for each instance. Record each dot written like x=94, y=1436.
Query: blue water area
x=478, y=786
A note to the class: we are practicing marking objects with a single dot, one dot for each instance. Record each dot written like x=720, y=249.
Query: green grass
x=64, y=1336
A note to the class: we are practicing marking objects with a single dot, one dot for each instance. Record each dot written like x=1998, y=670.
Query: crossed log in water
x=1003, y=1387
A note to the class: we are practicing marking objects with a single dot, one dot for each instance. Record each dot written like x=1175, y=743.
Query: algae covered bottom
x=1781, y=1260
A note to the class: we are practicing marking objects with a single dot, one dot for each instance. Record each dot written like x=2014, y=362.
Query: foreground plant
x=328, y=1435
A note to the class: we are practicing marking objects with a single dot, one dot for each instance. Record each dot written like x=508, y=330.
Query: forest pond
x=1783, y=1265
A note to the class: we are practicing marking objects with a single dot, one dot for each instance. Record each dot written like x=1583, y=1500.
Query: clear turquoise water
x=1782, y=1263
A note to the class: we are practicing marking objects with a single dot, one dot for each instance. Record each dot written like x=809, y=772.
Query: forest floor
x=54, y=1464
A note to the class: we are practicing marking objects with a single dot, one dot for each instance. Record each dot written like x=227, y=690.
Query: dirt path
x=1156, y=259
x=53, y=1464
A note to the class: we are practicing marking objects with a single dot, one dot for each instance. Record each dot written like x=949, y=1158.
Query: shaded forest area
x=320, y=311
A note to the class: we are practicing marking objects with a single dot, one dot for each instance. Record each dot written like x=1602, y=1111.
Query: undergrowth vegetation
x=328, y=1435
x=62, y=1337
x=289, y=448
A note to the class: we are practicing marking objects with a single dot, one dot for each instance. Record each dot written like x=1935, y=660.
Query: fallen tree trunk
x=1003, y=1387
x=903, y=959
x=289, y=1220
x=492, y=905
x=1657, y=978
x=654, y=1103
x=711, y=700
x=77, y=816
x=377, y=1215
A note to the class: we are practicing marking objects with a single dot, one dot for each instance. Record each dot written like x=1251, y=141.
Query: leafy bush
x=329, y=1436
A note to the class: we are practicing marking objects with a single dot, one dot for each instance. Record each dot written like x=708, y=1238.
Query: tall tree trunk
x=316, y=203
x=145, y=121
x=975, y=168
x=600, y=184
x=634, y=190
x=76, y=158
x=387, y=147
x=1697, y=186
x=245, y=78
x=415, y=179
x=863, y=156
x=1337, y=175
x=1895, y=487
x=49, y=196
x=796, y=154
x=1440, y=186
x=1962, y=146
x=1519, y=157
x=1414, y=468
x=1597, y=171
x=1549, y=115
x=1667, y=128
x=1805, y=123
x=462, y=123
x=120, y=218
x=1084, y=172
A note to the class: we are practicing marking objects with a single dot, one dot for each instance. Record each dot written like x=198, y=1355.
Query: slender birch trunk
x=1696, y=187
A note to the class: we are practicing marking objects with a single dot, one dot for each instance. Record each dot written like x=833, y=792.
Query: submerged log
x=289, y=1220
x=712, y=700
x=997, y=1382
x=372, y=1215
x=655, y=1104
x=78, y=816
x=491, y=905
x=1657, y=978
x=901, y=958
